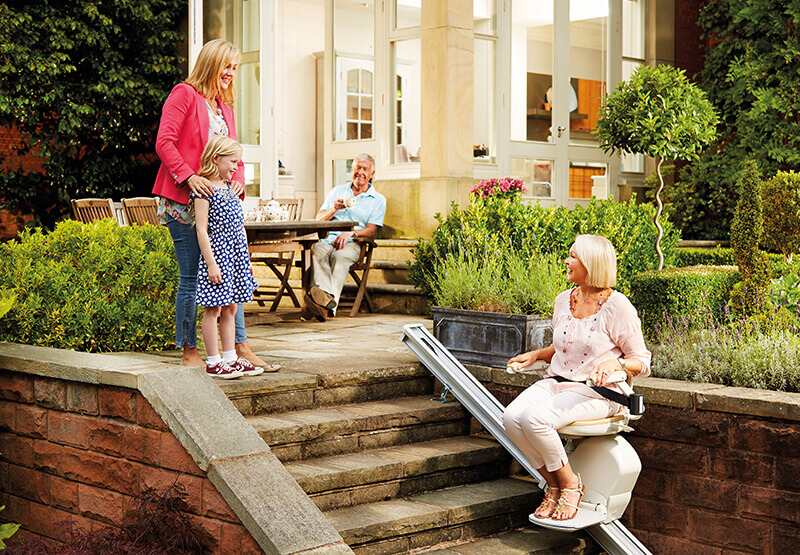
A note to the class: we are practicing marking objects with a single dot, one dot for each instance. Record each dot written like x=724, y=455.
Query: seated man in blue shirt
x=332, y=257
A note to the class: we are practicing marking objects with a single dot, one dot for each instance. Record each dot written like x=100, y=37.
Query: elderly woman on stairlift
x=596, y=331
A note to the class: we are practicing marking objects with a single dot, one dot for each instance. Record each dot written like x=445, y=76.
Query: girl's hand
x=525, y=359
x=200, y=186
x=238, y=188
x=214, y=273
x=252, y=272
x=603, y=370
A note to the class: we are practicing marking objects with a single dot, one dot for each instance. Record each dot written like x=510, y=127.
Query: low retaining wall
x=721, y=466
x=81, y=434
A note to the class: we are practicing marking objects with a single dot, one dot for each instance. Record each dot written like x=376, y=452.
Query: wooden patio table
x=292, y=236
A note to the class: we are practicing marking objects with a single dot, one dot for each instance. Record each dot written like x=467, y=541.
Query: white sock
x=229, y=356
x=213, y=359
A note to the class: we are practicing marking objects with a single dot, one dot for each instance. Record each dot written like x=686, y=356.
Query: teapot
x=273, y=211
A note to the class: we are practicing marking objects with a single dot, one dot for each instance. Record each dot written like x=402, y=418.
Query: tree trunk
x=658, y=213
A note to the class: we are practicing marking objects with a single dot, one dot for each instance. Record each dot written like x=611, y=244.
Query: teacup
x=349, y=202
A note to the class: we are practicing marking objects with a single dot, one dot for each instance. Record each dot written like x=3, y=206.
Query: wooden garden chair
x=140, y=210
x=279, y=259
x=87, y=210
x=360, y=274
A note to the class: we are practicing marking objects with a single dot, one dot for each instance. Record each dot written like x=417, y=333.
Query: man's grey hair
x=364, y=157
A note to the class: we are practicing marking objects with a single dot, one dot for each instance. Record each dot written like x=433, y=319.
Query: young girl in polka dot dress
x=225, y=276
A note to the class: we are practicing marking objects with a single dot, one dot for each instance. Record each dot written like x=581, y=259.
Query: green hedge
x=91, y=287
x=678, y=292
x=530, y=229
x=721, y=256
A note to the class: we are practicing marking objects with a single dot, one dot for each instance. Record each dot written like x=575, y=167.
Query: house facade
x=441, y=92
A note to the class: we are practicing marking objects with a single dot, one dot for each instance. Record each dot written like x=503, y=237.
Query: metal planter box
x=489, y=338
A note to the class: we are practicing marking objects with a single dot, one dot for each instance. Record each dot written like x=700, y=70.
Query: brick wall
x=689, y=49
x=79, y=452
x=712, y=481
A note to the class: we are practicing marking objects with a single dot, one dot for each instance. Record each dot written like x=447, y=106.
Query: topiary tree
x=746, y=231
x=658, y=112
x=83, y=82
x=781, y=196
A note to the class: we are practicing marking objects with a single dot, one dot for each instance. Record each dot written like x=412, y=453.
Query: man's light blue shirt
x=370, y=208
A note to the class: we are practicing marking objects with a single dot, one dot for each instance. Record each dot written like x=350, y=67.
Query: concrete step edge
x=325, y=474
x=359, y=418
x=372, y=522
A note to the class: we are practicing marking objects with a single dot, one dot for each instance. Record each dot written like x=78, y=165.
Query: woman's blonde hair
x=217, y=146
x=598, y=256
x=213, y=57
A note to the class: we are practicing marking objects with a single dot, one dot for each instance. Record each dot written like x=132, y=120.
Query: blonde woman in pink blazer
x=196, y=110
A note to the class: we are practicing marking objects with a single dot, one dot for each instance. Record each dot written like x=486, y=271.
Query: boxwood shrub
x=676, y=292
x=722, y=256
x=91, y=287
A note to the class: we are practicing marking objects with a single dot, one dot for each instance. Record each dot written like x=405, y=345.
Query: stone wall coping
x=258, y=488
x=680, y=394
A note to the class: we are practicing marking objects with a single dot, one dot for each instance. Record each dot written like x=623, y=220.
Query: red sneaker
x=223, y=370
x=245, y=367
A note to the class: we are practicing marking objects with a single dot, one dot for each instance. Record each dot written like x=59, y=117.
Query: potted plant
x=492, y=299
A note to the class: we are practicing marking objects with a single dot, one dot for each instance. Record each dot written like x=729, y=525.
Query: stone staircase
x=388, y=285
x=393, y=468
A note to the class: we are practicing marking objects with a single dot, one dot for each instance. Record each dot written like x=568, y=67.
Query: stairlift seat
x=599, y=427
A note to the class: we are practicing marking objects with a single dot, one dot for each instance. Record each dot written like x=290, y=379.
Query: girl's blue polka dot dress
x=229, y=245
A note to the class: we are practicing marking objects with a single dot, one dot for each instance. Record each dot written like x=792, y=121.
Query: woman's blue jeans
x=187, y=252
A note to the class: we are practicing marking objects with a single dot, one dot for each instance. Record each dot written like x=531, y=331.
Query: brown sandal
x=563, y=503
x=548, y=504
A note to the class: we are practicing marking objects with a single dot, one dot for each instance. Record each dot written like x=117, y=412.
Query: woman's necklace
x=601, y=298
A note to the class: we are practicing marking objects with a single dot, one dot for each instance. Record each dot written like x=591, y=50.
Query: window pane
x=484, y=13
x=407, y=106
x=531, y=70
x=587, y=180
x=537, y=175
x=341, y=171
x=247, y=109
x=485, y=102
x=408, y=13
x=633, y=29
x=588, y=37
x=252, y=180
x=353, y=30
x=237, y=21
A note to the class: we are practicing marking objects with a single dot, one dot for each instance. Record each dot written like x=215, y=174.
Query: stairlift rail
x=613, y=536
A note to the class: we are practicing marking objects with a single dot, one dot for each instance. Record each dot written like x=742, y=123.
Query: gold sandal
x=563, y=503
x=548, y=504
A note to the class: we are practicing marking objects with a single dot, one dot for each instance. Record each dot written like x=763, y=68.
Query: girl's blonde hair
x=217, y=146
x=598, y=256
x=213, y=57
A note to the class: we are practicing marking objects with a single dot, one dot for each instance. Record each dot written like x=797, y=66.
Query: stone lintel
x=270, y=503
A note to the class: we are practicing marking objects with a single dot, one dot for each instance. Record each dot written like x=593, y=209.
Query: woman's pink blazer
x=182, y=135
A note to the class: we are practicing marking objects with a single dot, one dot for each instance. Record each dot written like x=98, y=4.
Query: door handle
x=561, y=129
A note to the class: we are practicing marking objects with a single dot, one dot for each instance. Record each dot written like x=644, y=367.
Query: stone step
x=394, y=249
x=290, y=390
x=371, y=476
x=452, y=514
x=522, y=541
x=320, y=432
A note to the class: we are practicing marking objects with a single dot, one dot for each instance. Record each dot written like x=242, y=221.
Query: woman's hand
x=238, y=188
x=525, y=359
x=214, y=273
x=200, y=186
x=603, y=370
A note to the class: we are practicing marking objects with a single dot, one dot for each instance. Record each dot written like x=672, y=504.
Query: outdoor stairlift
x=606, y=462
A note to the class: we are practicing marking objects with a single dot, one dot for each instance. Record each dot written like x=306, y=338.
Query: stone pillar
x=447, y=114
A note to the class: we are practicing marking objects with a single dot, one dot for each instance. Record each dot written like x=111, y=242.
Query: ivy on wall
x=751, y=76
x=84, y=82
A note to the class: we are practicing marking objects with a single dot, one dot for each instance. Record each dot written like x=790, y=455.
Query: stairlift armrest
x=539, y=366
x=619, y=377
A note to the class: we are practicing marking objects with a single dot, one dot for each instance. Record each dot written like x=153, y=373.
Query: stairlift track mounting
x=600, y=509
